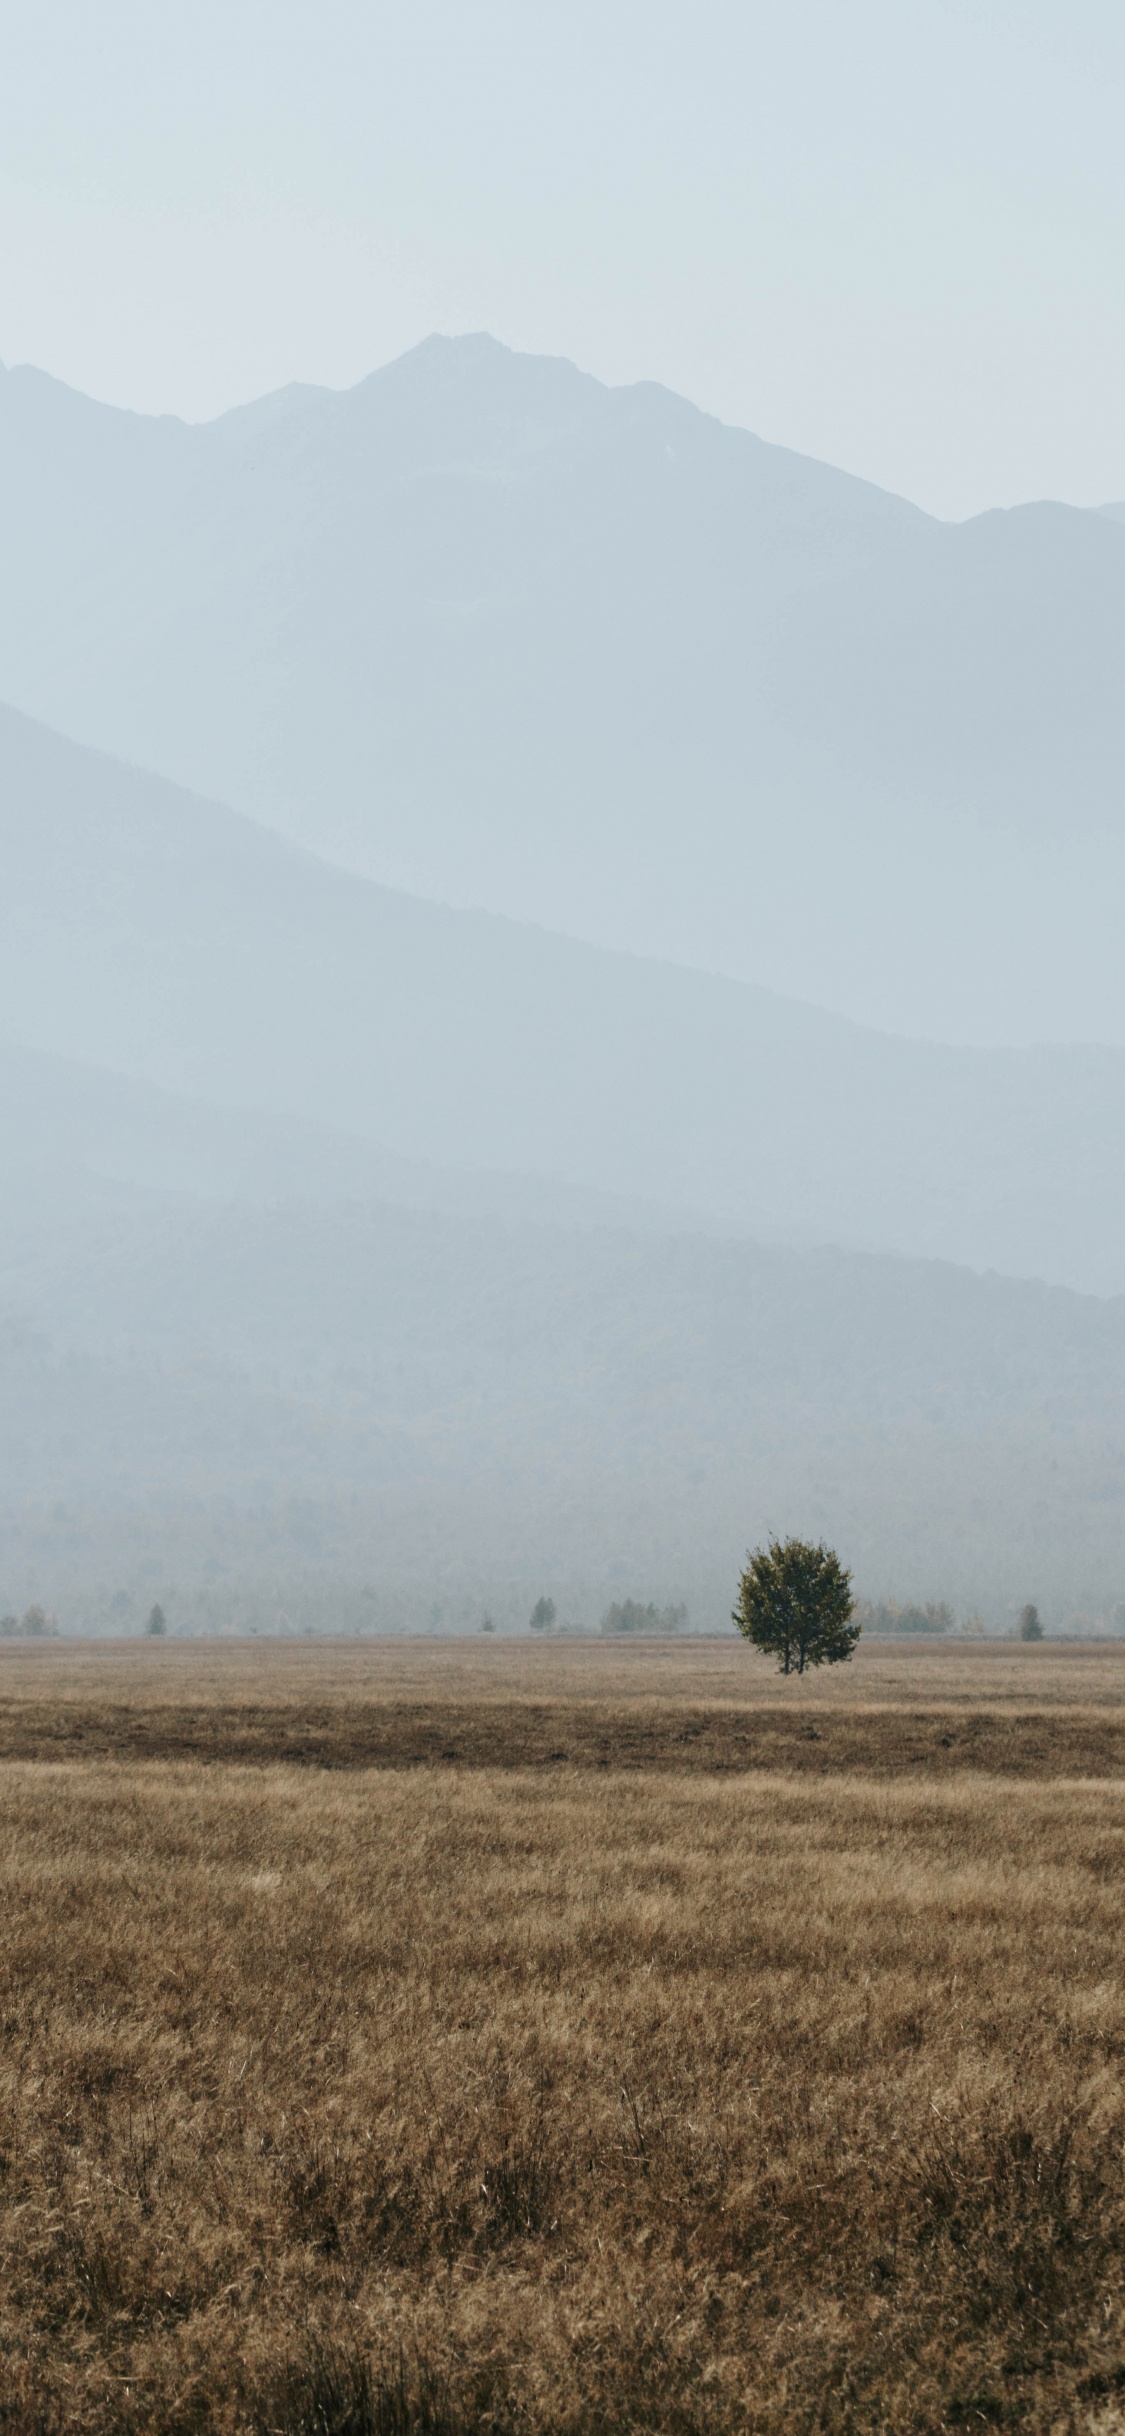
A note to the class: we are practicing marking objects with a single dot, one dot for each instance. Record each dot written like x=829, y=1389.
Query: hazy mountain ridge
x=148, y=932
x=488, y=630
x=74, y=1135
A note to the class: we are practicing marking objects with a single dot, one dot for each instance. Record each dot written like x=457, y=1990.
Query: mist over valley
x=450, y=832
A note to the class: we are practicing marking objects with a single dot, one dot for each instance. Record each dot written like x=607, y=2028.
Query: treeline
x=934, y=1617
x=33, y=1625
x=627, y=1615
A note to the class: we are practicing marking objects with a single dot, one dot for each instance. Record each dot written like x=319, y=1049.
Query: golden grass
x=355, y=2101
x=710, y=1707
x=291, y=1673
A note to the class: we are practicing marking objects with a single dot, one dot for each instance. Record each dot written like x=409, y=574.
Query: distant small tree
x=542, y=1615
x=157, y=1622
x=486, y=1624
x=1030, y=1628
x=35, y=1623
x=795, y=1602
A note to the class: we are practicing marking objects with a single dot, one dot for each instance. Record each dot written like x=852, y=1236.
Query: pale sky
x=890, y=233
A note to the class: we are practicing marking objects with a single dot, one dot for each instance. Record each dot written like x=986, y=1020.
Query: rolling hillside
x=464, y=1410
x=148, y=932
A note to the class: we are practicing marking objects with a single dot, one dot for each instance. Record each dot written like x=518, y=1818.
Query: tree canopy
x=795, y=1602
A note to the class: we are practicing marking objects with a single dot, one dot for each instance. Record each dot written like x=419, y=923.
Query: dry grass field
x=378, y=2057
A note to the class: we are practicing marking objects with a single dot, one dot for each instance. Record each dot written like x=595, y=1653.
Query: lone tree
x=542, y=1615
x=796, y=1601
x=1030, y=1628
x=157, y=1622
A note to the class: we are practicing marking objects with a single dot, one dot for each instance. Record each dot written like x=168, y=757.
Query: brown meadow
x=372, y=2090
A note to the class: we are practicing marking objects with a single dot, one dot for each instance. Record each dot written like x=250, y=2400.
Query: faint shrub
x=542, y=1615
x=157, y=1622
x=1030, y=1628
